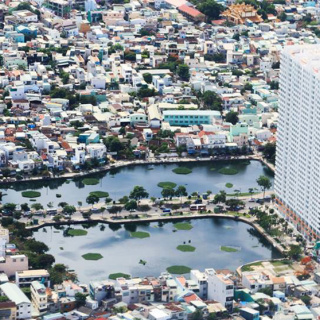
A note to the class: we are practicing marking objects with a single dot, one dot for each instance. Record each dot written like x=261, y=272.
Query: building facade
x=297, y=180
x=184, y=118
x=220, y=288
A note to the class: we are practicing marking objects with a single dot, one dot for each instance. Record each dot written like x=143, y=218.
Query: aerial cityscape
x=159, y=160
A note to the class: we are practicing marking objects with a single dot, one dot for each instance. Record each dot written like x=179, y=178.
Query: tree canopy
x=138, y=192
x=210, y=8
x=232, y=117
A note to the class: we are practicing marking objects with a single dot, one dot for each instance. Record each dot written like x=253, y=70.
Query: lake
x=119, y=182
x=122, y=253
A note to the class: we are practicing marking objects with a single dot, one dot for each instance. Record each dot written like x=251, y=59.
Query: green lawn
x=90, y=181
x=183, y=226
x=228, y=171
x=238, y=214
x=213, y=169
x=167, y=185
x=186, y=248
x=229, y=185
x=31, y=194
x=77, y=232
x=178, y=269
x=228, y=249
x=280, y=263
x=114, y=276
x=241, y=194
x=99, y=194
x=248, y=267
x=182, y=170
x=92, y=256
x=140, y=234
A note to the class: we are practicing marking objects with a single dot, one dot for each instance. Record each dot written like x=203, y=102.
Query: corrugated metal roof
x=13, y=292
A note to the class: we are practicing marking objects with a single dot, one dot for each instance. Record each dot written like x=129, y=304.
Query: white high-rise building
x=297, y=182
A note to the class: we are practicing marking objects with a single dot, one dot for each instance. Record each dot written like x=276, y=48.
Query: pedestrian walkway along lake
x=122, y=252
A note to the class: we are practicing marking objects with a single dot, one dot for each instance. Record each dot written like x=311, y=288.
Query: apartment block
x=297, y=179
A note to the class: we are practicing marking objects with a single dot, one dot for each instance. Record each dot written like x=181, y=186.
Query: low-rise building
x=26, y=277
x=23, y=304
x=220, y=288
x=39, y=296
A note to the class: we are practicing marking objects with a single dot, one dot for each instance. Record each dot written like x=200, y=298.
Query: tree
x=36, y=246
x=216, y=57
x=233, y=203
x=9, y=207
x=220, y=197
x=24, y=207
x=283, y=16
x=113, y=144
x=129, y=55
x=69, y=209
x=131, y=205
x=122, y=131
x=44, y=261
x=306, y=300
x=80, y=299
x=265, y=184
x=92, y=199
x=115, y=209
x=138, y=192
x=210, y=8
x=62, y=204
x=232, y=117
x=295, y=251
x=181, y=192
x=247, y=87
x=236, y=36
x=146, y=93
x=64, y=77
x=147, y=77
x=183, y=72
x=167, y=193
x=197, y=315
x=145, y=32
x=37, y=206
x=212, y=101
x=269, y=152
x=124, y=199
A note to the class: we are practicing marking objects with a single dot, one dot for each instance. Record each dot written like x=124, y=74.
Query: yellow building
x=240, y=12
x=8, y=310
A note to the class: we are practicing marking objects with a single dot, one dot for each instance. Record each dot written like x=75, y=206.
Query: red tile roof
x=190, y=11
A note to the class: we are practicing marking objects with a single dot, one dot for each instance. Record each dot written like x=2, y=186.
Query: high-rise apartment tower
x=297, y=181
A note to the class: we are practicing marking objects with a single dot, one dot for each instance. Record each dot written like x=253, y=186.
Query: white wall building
x=39, y=296
x=14, y=293
x=220, y=288
x=202, y=281
x=297, y=179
